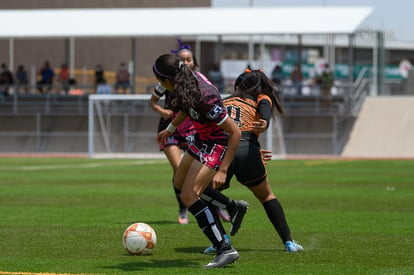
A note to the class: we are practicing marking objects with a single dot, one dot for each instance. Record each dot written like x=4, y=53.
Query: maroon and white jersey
x=210, y=113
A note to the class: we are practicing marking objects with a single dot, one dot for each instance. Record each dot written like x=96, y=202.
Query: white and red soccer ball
x=139, y=239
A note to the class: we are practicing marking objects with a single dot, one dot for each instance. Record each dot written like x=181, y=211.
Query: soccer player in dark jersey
x=177, y=142
x=173, y=146
x=209, y=151
x=251, y=106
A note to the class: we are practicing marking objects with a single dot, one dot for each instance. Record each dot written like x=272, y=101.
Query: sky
x=392, y=17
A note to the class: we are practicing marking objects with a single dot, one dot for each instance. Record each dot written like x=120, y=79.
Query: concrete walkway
x=384, y=129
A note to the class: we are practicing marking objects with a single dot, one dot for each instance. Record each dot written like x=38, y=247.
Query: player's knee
x=266, y=198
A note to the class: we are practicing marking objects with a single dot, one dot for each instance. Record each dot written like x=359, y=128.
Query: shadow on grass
x=140, y=266
x=199, y=249
x=191, y=250
x=150, y=222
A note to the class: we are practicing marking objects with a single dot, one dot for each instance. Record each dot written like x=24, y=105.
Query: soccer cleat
x=183, y=216
x=212, y=250
x=292, y=246
x=224, y=258
x=223, y=215
x=237, y=216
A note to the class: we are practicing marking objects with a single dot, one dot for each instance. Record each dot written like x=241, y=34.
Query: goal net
x=125, y=126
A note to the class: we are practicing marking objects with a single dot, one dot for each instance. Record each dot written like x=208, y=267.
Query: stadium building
x=365, y=62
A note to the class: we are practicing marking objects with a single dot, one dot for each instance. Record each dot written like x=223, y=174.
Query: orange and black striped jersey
x=244, y=111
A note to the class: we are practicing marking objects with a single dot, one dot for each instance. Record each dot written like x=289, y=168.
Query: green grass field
x=68, y=216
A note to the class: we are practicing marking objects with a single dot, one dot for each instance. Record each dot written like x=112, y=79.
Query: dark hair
x=254, y=83
x=188, y=94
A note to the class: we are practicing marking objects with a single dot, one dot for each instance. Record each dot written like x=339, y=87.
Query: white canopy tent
x=180, y=21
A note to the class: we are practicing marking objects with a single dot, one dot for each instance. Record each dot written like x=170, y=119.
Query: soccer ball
x=139, y=239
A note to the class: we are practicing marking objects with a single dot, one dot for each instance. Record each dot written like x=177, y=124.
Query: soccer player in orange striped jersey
x=254, y=102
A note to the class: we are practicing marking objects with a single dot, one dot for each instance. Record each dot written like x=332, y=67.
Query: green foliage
x=68, y=216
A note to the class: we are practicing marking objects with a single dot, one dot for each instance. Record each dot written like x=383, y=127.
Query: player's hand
x=266, y=155
x=167, y=113
x=259, y=126
x=219, y=179
x=163, y=136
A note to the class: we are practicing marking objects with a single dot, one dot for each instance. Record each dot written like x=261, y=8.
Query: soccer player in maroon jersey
x=209, y=151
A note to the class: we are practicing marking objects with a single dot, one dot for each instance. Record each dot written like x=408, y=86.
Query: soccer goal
x=125, y=126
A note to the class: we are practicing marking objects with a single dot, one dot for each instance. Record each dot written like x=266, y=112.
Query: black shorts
x=247, y=165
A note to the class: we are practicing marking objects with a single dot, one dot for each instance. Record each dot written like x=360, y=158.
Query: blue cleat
x=292, y=246
x=212, y=250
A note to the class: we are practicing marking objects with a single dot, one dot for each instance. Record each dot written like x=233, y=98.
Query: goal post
x=122, y=126
x=125, y=126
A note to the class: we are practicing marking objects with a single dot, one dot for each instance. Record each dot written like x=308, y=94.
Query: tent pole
x=11, y=54
x=72, y=56
x=133, y=66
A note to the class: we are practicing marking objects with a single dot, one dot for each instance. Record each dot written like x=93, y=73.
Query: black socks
x=276, y=215
x=207, y=223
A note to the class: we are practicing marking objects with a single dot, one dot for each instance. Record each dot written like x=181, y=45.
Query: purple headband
x=182, y=47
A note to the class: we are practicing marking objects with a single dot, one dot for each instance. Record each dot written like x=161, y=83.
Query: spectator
x=73, y=87
x=122, y=78
x=22, y=79
x=326, y=81
x=64, y=76
x=46, y=78
x=99, y=74
x=6, y=80
x=277, y=76
x=216, y=78
x=103, y=88
x=296, y=77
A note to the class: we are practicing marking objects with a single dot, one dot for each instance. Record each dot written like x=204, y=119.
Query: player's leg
x=212, y=249
x=236, y=208
x=173, y=154
x=197, y=178
x=275, y=213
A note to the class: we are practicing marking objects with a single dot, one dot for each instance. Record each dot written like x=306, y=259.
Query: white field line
x=77, y=166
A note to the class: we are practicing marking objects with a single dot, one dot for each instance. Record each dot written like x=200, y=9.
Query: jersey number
x=235, y=113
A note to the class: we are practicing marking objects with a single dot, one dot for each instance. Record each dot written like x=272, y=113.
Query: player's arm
x=264, y=108
x=165, y=113
x=159, y=91
x=164, y=134
x=234, y=138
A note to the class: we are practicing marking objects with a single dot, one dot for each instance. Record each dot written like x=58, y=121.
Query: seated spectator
x=296, y=76
x=277, y=76
x=73, y=88
x=64, y=76
x=122, y=79
x=46, y=78
x=99, y=74
x=326, y=82
x=22, y=80
x=103, y=88
x=6, y=80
